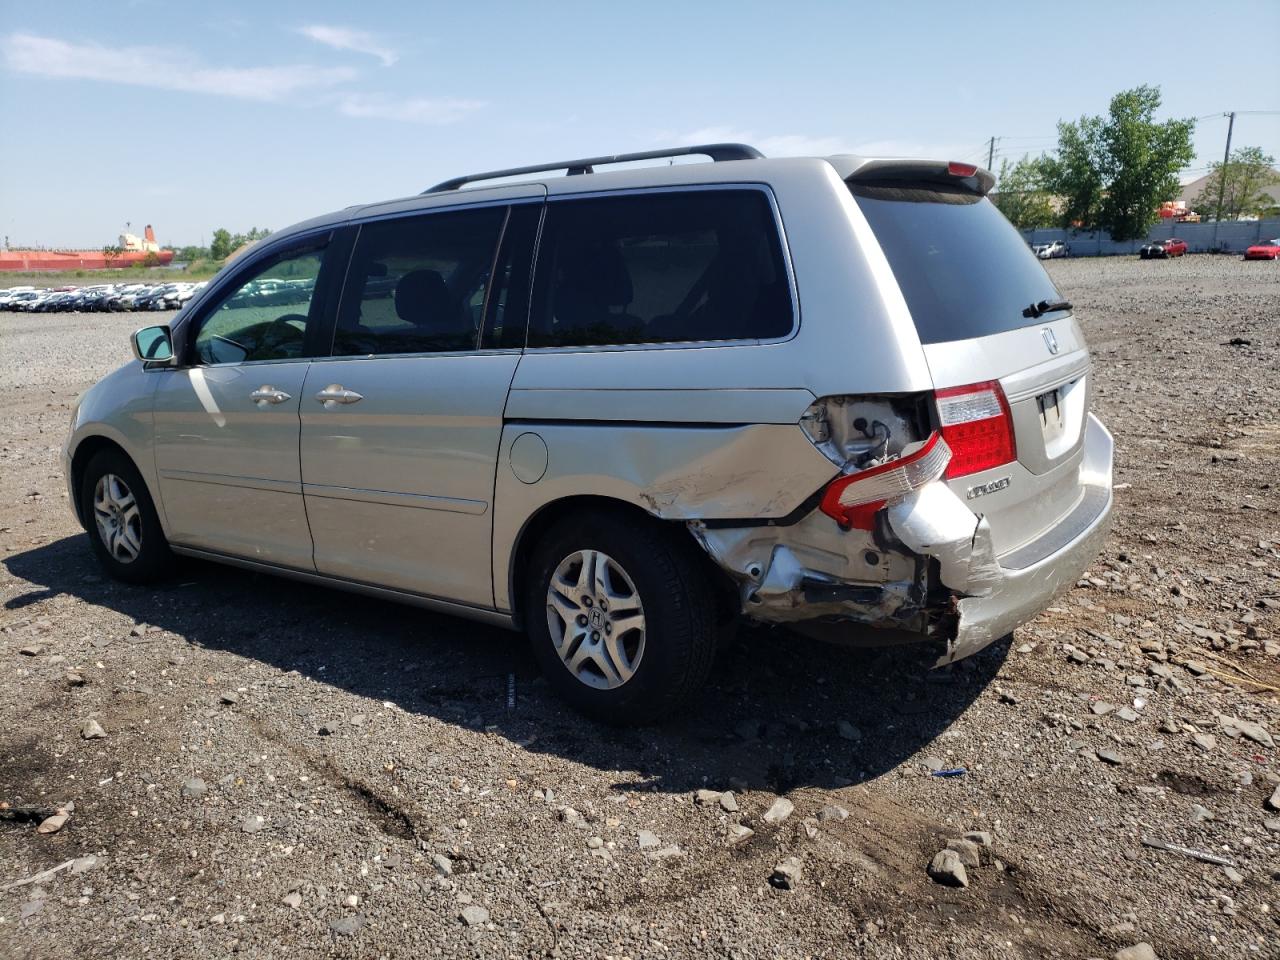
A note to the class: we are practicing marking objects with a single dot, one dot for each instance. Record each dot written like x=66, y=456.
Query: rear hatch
x=1008, y=360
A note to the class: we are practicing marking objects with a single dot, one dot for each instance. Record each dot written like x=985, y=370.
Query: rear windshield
x=963, y=269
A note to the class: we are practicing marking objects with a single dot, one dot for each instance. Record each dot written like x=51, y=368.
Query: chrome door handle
x=336, y=393
x=266, y=394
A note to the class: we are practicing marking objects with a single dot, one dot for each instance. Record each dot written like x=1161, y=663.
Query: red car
x=1266, y=250
x=1173, y=247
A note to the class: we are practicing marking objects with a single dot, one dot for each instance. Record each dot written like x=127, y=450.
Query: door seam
x=302, y=490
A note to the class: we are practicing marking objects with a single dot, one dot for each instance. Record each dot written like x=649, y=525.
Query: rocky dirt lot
x=262, y=768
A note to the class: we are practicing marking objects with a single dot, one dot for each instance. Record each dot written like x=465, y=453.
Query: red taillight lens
x=977, y=426
x=855, y=499
x=961, y=169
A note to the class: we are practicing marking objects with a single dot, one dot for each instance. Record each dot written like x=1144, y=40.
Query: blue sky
x=260, y=114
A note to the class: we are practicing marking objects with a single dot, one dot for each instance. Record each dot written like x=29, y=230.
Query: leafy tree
x=226, y=243
x=111, y=253
x=1113, y=172
x=221, y=245
x=1242, y=182
x=190, y=253
x=1021, y=195
x=1073, y=175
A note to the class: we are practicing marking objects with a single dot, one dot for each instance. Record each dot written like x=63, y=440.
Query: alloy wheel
x=596, y=619
x=115, y=509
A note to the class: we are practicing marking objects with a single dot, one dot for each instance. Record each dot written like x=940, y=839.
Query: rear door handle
x=267, y=394
x=336, y=393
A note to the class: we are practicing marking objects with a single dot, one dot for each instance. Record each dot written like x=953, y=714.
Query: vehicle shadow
x=776, y=715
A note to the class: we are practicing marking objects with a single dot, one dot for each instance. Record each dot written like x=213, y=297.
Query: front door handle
x=336, y=393
x=267, y=394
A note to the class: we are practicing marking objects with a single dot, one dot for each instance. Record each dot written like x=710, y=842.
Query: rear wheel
x=621, y=616
x=121, y=520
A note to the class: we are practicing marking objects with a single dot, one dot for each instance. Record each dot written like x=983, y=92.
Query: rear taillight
x=956, y=169
x=977, y=426
x=854, y=500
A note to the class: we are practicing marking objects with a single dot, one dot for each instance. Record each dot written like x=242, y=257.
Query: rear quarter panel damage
x=672, y=471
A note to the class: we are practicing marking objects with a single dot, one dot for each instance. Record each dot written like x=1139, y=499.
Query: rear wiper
x=1037, y=310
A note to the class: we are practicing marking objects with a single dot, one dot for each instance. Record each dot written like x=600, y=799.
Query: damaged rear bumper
x=1025, y=581
x=812, y=572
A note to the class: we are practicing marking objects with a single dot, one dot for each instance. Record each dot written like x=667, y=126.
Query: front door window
x=266, y=316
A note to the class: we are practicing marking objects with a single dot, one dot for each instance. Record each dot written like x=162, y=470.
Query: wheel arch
x=89, y=447
x=551, y=513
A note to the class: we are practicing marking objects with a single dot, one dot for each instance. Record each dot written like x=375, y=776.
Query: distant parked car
x=147, y=299
x=1264, y=250
x=1163, y=249
x=22, y=299
x=1053, y=250
x=57, y=301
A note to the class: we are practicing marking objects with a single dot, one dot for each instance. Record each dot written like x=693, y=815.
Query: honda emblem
x=1050, y=340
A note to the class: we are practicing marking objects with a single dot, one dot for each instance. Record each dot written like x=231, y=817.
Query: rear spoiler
x=964, y=175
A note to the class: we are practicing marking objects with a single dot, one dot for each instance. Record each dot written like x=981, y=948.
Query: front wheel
x=121, y=520
x=621, y=616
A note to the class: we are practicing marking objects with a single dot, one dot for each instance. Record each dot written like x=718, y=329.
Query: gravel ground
x=288, y=771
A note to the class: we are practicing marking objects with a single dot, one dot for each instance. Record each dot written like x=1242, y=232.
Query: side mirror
x=153, y=345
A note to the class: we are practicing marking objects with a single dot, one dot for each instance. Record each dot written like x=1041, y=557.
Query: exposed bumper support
x=812, y=570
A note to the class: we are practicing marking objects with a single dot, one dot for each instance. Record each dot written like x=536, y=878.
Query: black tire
x=153, y=558
x=679, y=608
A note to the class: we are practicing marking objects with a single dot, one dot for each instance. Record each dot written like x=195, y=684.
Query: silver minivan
x=620, y=410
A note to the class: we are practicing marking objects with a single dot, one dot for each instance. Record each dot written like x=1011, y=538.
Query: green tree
x=190, y=253
x=1074, y=176
x=1021, y=196
x=238, y=240
x=1242, y=182
x=221, y=245
x=111, y=252
x=1113, y=172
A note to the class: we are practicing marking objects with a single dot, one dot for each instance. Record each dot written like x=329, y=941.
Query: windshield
x=962, y=267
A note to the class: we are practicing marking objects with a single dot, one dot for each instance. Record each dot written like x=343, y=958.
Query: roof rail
x=716, y=151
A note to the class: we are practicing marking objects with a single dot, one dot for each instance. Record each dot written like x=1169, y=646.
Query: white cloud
x=410, y=110
x=344, y=38
x=161, y=68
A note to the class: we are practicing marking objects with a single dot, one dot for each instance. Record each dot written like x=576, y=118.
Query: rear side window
x=962, y=267
x=660, y=268
x=418, y=284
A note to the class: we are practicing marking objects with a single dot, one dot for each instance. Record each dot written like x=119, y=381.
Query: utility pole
x=1222, y=177
x=991, y=153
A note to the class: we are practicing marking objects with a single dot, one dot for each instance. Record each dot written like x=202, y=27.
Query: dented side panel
x=672, y=471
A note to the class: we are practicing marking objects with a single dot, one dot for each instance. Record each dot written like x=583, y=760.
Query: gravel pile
x=242, y=765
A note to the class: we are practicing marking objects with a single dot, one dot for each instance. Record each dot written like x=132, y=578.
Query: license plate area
x=1050, y=406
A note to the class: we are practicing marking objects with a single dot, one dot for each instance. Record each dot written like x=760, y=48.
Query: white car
x=1052, y=250
x=16, y=299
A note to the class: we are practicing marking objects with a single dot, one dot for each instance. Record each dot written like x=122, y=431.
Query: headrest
x=423, y=300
